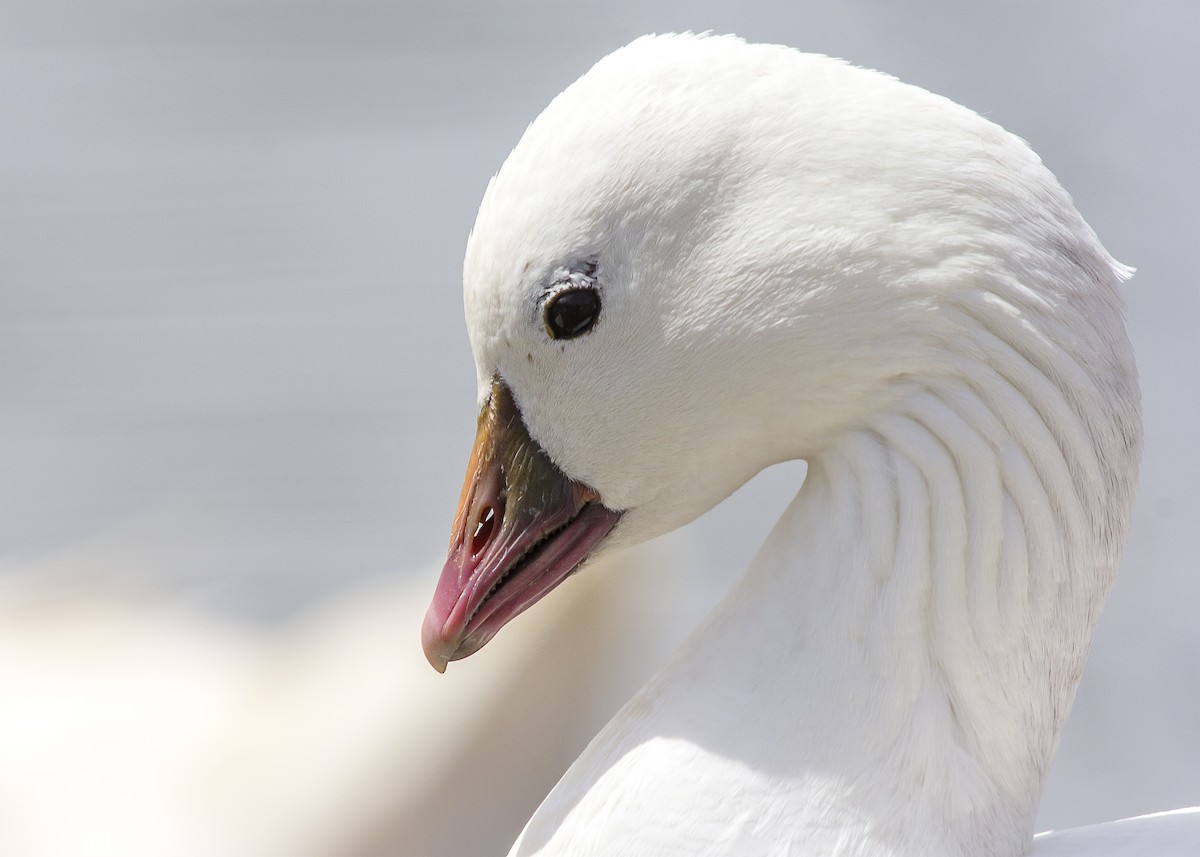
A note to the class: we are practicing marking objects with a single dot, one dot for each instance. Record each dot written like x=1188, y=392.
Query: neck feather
x=957, y=550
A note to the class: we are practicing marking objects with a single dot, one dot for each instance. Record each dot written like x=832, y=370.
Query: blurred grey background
x=233, y=367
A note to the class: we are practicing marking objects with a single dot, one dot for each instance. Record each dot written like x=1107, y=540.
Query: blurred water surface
x=232, y=361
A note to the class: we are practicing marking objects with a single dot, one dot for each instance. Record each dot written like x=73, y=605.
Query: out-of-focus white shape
x=1160, y=834
x=136, y=728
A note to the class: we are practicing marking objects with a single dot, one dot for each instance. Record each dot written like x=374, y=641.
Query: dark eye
x=572, y=312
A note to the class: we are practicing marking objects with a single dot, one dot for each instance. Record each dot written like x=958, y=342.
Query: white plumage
x=801, y=259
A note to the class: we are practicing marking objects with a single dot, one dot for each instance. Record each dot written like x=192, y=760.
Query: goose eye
x=572, y=313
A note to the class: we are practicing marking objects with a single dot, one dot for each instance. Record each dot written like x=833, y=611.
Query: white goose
x=706, y=257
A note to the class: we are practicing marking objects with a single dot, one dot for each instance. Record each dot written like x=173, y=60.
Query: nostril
x=484, y=528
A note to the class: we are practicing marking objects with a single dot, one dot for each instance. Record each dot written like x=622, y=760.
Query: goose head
x=703, y=258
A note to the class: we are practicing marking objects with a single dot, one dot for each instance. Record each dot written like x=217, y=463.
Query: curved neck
x=935, y=586
x=942, y=572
